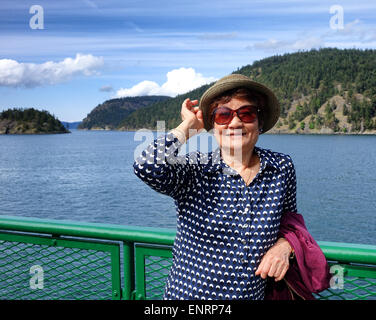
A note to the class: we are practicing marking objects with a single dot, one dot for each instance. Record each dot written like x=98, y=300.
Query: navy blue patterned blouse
x=223, y=226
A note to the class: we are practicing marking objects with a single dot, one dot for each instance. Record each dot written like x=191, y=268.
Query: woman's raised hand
x=193, y=121
x=192, y=115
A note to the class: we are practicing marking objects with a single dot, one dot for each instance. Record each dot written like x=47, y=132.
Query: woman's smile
x=236, y=134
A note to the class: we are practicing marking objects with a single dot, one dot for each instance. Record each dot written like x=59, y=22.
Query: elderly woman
x=230, y=201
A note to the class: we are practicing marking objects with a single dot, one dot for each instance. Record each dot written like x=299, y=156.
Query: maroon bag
x=308, y=272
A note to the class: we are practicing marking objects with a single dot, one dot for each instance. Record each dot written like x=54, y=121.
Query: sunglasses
x=223, y=115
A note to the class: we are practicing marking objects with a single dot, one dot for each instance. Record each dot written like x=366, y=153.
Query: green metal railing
x=47, y=259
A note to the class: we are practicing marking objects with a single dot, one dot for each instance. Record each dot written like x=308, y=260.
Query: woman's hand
x=275, y=262
x=192, y=117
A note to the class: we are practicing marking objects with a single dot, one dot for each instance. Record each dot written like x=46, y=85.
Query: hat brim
x=270, y=112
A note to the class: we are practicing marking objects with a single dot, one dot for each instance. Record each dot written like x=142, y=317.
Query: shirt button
x=244, y=276
x=245, y=226
x=244, y=241
x=243, y=260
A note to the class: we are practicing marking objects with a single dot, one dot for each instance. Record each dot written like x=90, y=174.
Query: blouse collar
x=215, y=162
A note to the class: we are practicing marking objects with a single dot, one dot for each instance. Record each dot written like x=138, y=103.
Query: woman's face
x=237, y=136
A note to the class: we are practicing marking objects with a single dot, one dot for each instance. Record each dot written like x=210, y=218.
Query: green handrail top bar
x=89, y=230
x=342, y=252
x=349, y=252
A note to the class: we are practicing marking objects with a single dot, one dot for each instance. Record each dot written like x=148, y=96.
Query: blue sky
x=89, y=50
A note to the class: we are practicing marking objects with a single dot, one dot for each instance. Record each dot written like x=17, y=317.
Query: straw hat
x=270, y=112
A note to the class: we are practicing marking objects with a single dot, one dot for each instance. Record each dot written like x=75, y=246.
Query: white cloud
x=355, y=33
x=179, y=81
x=308, y=43
x=144, y=88
x=273, y=44
x=91, y=4
x=106, y=88
x=352, y=29
x=270, y=44
x=217, y=36
x=19, y=74
x=355, y=30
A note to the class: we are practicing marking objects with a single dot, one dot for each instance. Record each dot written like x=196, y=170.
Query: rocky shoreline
x=323, y=131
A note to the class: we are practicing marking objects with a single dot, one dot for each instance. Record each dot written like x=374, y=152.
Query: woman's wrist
x=184, y=131
x=282, y=241
x=179, y=134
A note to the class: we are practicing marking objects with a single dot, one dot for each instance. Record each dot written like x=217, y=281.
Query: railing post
x=129, y=276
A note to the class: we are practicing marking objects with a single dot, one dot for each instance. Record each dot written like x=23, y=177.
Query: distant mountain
x=29, y=121
x=71, y=125
x=320, y=91
x=168, y=111
x=109, y=114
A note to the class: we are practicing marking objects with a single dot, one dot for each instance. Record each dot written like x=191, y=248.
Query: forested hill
x=327, y=90
x=29, y=121
x=321, y=91
x=109, y=114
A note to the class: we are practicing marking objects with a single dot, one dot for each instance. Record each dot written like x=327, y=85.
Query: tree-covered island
x=29, y=121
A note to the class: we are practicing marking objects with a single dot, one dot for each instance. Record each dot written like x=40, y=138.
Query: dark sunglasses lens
x=222, y=116
x=248, y=115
